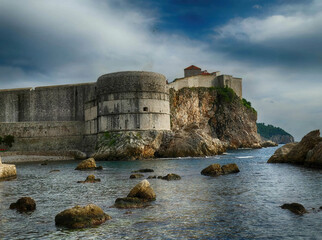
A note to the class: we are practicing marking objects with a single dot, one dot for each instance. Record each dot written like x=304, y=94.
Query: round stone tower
x=132, y=101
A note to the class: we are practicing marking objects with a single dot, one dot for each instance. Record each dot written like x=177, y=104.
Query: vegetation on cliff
x=273, y=133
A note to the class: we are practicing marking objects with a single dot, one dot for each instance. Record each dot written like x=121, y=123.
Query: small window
x=145, y=109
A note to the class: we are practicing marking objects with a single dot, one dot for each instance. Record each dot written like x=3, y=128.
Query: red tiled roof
x=192, y=67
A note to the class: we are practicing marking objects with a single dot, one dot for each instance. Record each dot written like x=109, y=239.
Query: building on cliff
x=69, y=117
x=195, y=77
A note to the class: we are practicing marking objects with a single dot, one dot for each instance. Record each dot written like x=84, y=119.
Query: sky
x=274, y=45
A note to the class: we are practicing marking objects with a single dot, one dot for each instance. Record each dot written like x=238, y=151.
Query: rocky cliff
x=204, y=121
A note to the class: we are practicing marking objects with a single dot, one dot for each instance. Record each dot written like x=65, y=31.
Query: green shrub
x=226, y=94
x=248, y=105
x=8, y=140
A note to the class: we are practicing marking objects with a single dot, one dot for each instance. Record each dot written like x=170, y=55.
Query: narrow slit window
x=145, y=109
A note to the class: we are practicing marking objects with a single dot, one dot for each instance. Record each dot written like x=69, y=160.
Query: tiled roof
x=192, y=67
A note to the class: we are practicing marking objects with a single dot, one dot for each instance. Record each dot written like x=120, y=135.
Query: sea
x=245, y=205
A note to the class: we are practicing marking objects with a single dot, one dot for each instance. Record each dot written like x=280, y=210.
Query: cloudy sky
x=274, y=45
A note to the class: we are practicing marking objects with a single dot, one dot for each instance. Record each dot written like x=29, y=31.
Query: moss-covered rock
x=24, y=204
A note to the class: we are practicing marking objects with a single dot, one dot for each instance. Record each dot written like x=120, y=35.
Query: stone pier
x=7, y=171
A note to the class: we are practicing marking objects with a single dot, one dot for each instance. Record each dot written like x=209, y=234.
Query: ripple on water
x=238, y=206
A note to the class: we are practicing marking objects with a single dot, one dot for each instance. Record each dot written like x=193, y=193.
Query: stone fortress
x=68, y=117
x=195, y=77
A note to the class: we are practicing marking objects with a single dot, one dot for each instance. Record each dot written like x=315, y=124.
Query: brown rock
x=136, y=175
x=280, y=155
x=314, y=157
x=88, y=164
x=268, y=144
x=81, y=217
x=171, y=176
x=294, y=208
x=212, y=170
x=7, y=171
x=90, y=179
x=24, y=204
x=143, y=190
x=131, y=202
x=230, y=168
x=308, y=142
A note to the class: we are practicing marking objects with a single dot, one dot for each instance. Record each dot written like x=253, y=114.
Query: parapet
x=131, y=81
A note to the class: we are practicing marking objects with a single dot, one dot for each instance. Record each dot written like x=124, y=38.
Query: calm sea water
x=237, y=206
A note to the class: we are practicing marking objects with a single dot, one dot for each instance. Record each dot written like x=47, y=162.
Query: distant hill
x=275, y=134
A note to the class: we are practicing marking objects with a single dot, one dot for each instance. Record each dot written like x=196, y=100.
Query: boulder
x=131, y=202
x=88, y=164
x=7, y=171
x=280, y=155
x=294, y=208
x=139, y=196
x=143, y=190
x=268, y=143
x=144, y=170
x=81, y=217
x=136, y=175
x=230, y=168
x=314, y=156
x=308, y=142
x=90, y=179
x=171, y=177
x=212, y=170
x=24, y=204
x=152, y=177
x=216, y=170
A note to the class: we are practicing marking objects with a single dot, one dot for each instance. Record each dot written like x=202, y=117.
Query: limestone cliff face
x=219, y=113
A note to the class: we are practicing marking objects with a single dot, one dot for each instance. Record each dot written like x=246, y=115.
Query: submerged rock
x=216, y=170
x=144, y=170
x=139, y=196
x=7, y=171
x=90, y=179
x=136, y=175
x=81, y=217
x=88, y=164
x=294, y=208
x=24, y=204
x=171, y=176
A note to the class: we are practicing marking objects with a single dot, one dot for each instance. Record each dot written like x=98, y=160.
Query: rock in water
x=268, y=144
x=139, y=196
x=230, y=168
x=90, y=179
x=7, y=171
x=144, y=170
x=294, y=208
x=88, y=164
x=143, y=190
x=171, y=176
x=81, y=217
x=314, y=157
x=280, y=155
x=212, y=170
x=215, y=169
x=136, y=175
x=24, y=204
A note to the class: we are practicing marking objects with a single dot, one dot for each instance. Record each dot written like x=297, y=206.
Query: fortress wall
x=53, y=103
x=232, y=82
x=134, y=122
x=44, y=136
x=193, y=81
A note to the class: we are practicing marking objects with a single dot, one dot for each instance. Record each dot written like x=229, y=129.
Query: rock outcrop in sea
x=307, y=152
x=139, y=196
x=204, y=121
x=215, y=169
x=88, y=164
x=81, y=217
x=24, y=204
